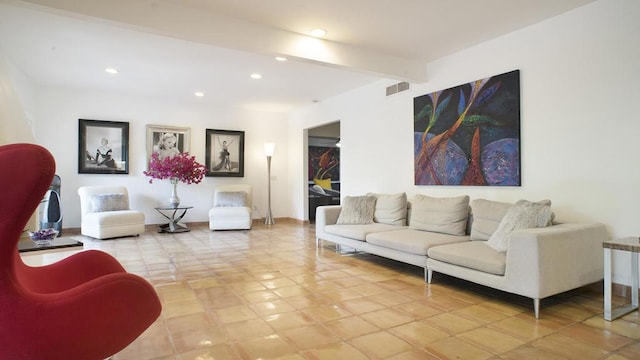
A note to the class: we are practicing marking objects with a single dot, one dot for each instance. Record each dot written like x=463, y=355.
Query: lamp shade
x=269, y=148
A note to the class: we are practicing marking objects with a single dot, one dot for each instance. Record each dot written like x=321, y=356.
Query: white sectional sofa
x=480, y=243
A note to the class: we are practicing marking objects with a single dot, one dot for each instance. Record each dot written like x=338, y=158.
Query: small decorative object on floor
x=43, y=237
x=180, y=167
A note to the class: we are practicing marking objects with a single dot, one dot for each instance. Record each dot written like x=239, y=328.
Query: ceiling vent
x=396, y=88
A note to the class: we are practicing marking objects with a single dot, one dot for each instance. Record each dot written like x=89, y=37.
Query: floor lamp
x=269, y=148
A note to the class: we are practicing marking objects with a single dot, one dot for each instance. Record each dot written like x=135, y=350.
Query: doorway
x=323, y=178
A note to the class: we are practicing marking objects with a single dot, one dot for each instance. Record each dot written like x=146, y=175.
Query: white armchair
x=105, y=213
x=232, y=207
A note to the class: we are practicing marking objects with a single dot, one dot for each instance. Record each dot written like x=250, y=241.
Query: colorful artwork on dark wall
x=469, y=134
x=324, y=163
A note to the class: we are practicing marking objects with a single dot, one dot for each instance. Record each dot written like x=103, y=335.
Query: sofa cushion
x=413, y=241
x=486, y=215
x=442, y=215
x=357, y=210
x=230, y=199
x=390, y=208
x=109, y=202
x=358, y=232
x=524, y=214
x=471, y=254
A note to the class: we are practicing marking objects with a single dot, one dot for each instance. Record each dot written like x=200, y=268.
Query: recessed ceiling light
x=198, y=94
x=281, y=58
x=111, y=70
x=318, y=33
x=256, y=76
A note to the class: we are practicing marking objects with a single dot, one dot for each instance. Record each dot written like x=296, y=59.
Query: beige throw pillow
x=442, y=215
x=357, y=210
x=390, y=209
x=231, y=199
x=523, y=215
x=109, y=202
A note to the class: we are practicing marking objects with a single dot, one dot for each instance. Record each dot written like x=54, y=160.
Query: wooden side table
x=173, y=226
x=632, y=245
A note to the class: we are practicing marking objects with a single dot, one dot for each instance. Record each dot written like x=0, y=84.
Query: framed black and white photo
x=167, y=140
x=224, y=153
x=103, y=147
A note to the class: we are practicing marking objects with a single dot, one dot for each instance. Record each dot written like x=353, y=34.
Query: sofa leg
x=536, y=308
x=428, y=275
x=318, y=242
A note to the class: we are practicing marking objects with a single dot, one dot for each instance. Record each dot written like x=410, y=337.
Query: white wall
x=580, y=79
x=58, y=111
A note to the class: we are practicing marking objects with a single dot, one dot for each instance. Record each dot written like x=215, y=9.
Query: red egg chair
x=83, y=307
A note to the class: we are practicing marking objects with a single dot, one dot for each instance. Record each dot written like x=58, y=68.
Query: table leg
x=611, y=314
x=607, y=284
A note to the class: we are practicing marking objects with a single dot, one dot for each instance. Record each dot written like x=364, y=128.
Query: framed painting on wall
x=103, y=147
x=224, y=153
x=167, y=140
x=469, y=134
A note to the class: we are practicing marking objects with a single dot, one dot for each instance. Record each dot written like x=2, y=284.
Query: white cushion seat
x=475, y=255
x=117, y=221
x=232, y=209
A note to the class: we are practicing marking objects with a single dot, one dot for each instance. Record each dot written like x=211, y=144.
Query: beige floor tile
x=272, y=307
x=380, y=345
x=248, y=329
x=235, y=313
x=451, y=323
x=491, y=340
x=350, y=327
x=326, y=312
x=387, y=318
x=480, y=314
x=360, y=305
x=218, y=352
x=618, y=326
x=594, y=336
x=418, y=333
x=188, y=340
x=530, y=352
x=335, y=351
x=260, y=296
x=414, y=355
x=271, y=346
x=419, y=309
x=455, y=348
x=522, y=329
x=310, y=337
x=289, y=320
x=182, y=307
x=569, y=347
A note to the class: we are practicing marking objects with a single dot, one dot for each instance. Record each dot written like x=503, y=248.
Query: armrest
x=326, y=215
x=546, y=261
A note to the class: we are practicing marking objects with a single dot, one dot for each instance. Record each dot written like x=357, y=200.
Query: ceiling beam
x=168, y=19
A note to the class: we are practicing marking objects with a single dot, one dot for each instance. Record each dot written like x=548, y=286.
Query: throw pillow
x=390, y=209
x=231, y=199
x=357, y=210
x=109, y=202
x=441, y=215
x=523, y=215
x=324, y=183
x=487, y=215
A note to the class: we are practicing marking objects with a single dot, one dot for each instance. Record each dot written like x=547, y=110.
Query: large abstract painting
x=469, y=134
x=324, y=163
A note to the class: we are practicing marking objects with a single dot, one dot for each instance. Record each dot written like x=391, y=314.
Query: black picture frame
x=221, y=145
x=97, y=156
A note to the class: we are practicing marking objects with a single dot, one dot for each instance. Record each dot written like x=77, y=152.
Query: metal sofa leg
x=536, y=308
x=428, y=275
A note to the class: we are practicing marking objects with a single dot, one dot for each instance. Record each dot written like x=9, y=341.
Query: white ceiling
x=172, y=48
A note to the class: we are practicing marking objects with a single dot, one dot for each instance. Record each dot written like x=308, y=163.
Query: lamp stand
x=268, y=219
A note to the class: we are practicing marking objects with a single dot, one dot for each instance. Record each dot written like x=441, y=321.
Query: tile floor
x=269, y=294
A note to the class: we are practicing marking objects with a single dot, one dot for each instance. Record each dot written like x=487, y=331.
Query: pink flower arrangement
x=180, y=167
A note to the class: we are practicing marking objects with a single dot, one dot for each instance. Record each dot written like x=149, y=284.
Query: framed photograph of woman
x=224, y=154
x=103, y=147
x=167, y=140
